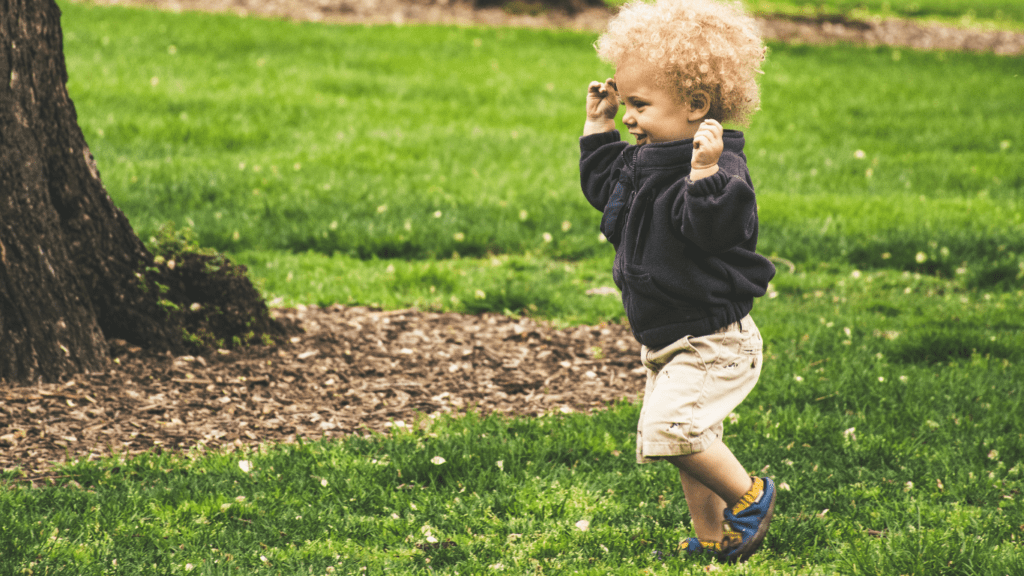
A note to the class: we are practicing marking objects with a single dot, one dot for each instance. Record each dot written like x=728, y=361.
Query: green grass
x=1005, y=12
x=990, y=14
x=422, y=142
x=896, y=460
x=423, y=166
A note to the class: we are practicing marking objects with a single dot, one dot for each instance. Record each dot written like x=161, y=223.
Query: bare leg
x=712, y=480
x=705, y=508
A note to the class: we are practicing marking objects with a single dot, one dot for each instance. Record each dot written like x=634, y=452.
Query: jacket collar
x=678, y=152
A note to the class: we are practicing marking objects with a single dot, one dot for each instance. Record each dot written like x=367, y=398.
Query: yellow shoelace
x=750, y=497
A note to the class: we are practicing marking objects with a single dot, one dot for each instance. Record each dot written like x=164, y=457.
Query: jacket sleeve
x=719, y=212
x=600, y=164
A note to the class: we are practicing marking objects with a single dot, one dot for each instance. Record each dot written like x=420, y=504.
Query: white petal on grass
x=437, y=460
x=500, y=464
x=583, y=525
x=245, y=465
x=850, y=433
x=426, y=530
x=784, y=487
x=323, y=482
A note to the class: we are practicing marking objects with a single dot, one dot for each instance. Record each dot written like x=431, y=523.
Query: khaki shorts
x=692, y=386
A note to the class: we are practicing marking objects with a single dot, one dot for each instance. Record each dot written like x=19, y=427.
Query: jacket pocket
x=648, y=306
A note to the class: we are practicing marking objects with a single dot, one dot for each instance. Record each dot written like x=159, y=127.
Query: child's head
x=693, y=45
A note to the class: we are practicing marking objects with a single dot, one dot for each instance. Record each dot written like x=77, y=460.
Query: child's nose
x=628, y=119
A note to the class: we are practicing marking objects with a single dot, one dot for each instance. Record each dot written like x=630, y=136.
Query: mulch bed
x=350, y=370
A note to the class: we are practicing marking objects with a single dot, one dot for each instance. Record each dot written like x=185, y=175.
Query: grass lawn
x=436, y=167
x=1004, y=13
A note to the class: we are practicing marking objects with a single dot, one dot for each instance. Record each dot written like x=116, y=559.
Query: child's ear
x=700, y=105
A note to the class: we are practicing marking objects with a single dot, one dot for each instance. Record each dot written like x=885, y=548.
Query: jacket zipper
x=637, y=258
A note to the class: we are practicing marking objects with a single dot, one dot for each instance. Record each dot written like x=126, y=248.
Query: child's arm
x=600, y=146
x=716, y=210
x=602, y=106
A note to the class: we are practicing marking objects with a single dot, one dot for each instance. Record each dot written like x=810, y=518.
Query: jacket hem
x=660, y=336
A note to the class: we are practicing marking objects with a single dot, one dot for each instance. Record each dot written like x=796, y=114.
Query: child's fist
x=602, y=100
x=707, y=145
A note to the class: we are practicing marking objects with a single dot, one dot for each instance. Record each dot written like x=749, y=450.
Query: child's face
x=653, y=113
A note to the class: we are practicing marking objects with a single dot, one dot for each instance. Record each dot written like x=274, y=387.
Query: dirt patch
x=351, y=370
x=887, y=32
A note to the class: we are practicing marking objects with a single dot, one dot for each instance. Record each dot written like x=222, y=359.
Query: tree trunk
x=69, y=260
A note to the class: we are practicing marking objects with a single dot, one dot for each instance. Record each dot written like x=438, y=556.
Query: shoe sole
x=748, y=549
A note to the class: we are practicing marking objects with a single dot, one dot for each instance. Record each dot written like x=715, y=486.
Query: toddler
x=680, y=210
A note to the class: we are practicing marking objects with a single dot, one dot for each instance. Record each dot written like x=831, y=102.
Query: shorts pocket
x=751, y=343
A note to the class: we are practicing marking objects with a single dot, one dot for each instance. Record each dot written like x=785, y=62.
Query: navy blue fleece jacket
x=685, y=252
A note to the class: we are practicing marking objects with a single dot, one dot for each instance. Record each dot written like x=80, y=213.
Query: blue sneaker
x=696, y=547
x=747, y=521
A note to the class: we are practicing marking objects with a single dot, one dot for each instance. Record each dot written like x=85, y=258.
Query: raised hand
x=707, y=145
x=602, y=100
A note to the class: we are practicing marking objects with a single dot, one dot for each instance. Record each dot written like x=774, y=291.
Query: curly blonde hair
x=697, y=45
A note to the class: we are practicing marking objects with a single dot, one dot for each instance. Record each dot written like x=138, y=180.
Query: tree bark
x=69, y=260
